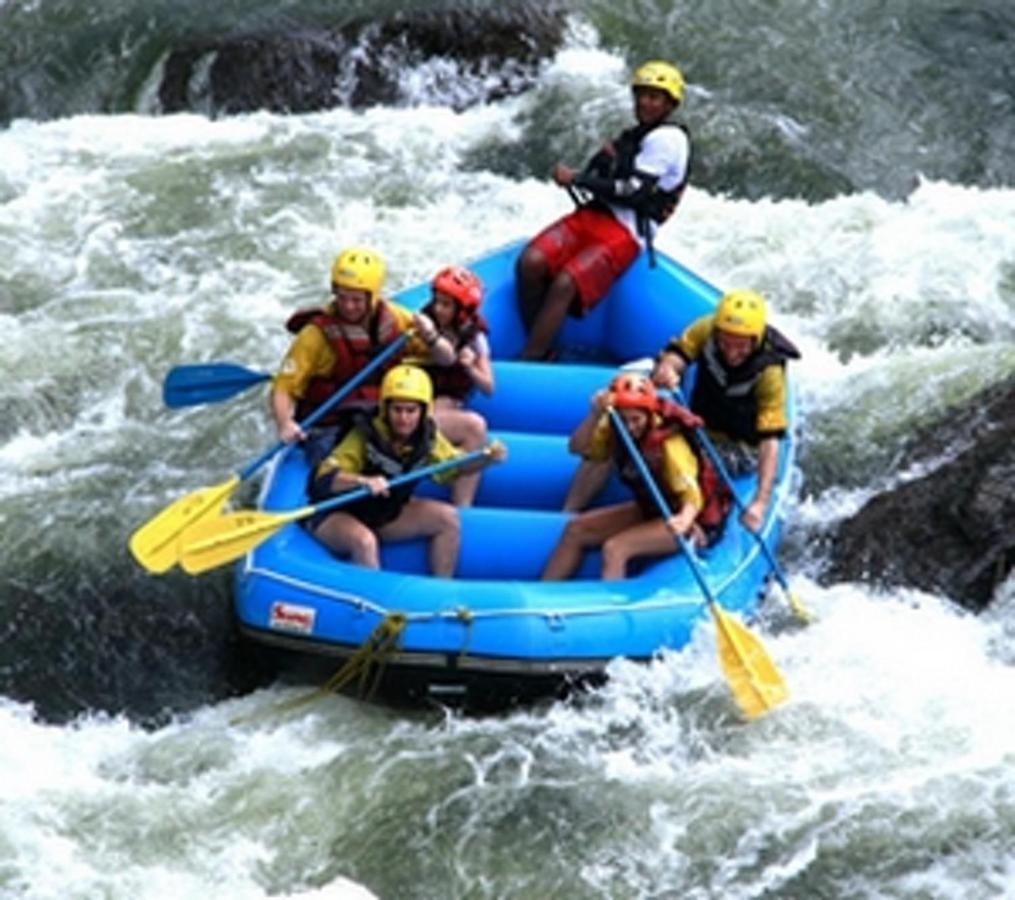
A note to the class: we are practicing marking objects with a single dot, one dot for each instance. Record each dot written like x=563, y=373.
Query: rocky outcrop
x=951, y=531
x=457, y=57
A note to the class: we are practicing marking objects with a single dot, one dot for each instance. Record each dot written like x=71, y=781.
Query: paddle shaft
x=215, y=542
x=406, y=478
x=753, y=678
x=155, y=544
x=347, y=388
x=660, y=501
x=720, y=466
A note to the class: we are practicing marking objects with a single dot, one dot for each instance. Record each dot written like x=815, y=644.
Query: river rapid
x=854, y=171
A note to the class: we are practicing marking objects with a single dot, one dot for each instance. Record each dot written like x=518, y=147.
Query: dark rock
x=949, y=531
x=487, y=54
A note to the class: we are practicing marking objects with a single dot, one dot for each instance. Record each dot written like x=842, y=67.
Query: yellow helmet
x=405, y=382
x=359, y=269
x=741, y=312
x=662, y=75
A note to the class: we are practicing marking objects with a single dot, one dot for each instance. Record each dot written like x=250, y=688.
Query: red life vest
x=353, y=346
x=716, y=496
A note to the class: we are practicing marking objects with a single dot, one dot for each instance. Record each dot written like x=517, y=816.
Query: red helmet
x=461, y=285
x=631, y=391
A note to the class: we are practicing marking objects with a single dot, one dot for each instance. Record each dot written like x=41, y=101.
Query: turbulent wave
x=800, y=100
x=887, y=776
x=192, y=242
x=881, y=226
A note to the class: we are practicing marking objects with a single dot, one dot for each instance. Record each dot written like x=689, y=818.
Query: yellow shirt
x=769, y=389
x=351, y=453
x=679, y=480
x=310, y=355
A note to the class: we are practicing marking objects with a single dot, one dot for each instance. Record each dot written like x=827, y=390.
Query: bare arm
x=479, y=369
x=581, y=437
x=768, y=463
x=283, y=411
x=439, y=348
x=668, y=369
x=347, y=481
x=681, y=521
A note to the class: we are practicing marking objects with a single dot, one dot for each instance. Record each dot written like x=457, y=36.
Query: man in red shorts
x=630, y=186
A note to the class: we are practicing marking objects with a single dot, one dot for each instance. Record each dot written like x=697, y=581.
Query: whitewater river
x=140, y=757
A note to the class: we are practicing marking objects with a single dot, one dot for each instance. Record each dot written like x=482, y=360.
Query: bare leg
x=588, y=481
x=434, y=519
x=345, y=535
x=589, y=529
x=532, y=278
x=651, y=538
x=550, y=317
x=467, y=431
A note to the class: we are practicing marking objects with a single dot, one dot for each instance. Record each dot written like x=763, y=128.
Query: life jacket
x=353, y=347
x=724, y=396
x=715, y=493
x=616, y=161
x=454, y=380
x=381, y=458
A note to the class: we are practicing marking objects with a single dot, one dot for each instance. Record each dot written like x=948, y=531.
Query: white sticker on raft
x=290, y=617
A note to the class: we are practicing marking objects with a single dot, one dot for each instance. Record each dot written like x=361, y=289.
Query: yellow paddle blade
x=755, y=681
x=215, y=542
x=155, y=544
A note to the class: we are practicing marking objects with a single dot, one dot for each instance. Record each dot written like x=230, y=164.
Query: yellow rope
x=464, y=615
x=372, y=653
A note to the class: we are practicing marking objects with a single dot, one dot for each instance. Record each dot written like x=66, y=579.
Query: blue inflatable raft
x=495, y=632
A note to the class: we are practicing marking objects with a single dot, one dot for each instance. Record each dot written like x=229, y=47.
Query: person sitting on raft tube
x=634, y=528
x=629, y=188
x=454, y=308
x=739, y=388
x=402, y=436
x=335, y=342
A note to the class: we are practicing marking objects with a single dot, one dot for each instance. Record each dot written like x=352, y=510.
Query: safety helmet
x=632, y=391
x=461, y=285
x=359, y=269
x=662, y=75
x=404, y=382
x=741, y=312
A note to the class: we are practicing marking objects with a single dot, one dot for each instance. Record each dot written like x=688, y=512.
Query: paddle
x=154, y=544
x=756, y=683
x=799, y=610
x=215, y=542
x=196, y=383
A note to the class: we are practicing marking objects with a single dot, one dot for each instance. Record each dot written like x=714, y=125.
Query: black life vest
x=381, y=458
x=724, y=396
x=616, y=162
x=353, y=346
x=715, y=493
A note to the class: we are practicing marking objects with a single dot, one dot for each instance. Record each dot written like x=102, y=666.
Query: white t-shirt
x=664, y=153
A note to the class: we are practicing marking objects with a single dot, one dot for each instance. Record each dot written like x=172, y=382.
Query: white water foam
x=193, y=241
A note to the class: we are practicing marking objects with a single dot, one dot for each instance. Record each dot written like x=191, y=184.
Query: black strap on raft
x=645, y=230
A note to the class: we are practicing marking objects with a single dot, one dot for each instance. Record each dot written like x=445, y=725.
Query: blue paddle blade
x=192, y=385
